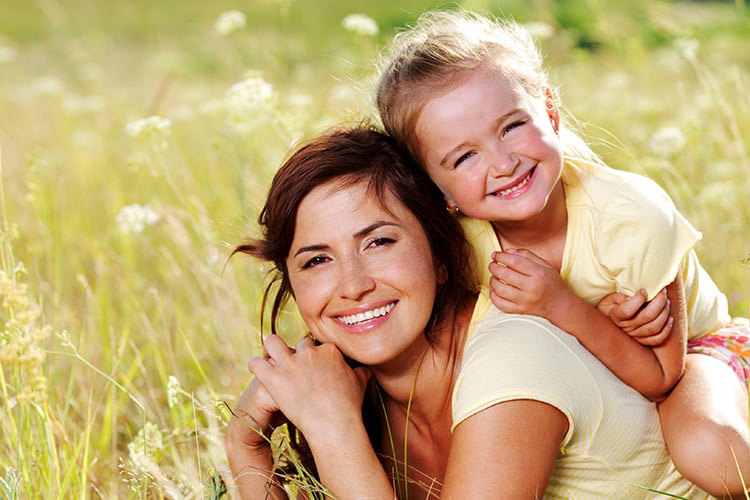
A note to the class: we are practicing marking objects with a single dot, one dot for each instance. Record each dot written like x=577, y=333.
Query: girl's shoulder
x=612, y=192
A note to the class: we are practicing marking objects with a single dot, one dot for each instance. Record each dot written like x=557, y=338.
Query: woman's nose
x=355, y=280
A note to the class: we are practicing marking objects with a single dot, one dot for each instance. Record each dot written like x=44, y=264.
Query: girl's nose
x=503, y=164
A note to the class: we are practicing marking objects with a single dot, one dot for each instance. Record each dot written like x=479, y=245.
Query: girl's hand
x=524, y=283
x=650, y=323
x=313, y=385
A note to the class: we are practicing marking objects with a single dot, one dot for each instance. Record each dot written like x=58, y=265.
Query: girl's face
x=362, y=278
x=493, y=149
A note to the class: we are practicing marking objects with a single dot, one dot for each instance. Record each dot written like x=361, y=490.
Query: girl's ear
x=552, y=110
x=450, y=204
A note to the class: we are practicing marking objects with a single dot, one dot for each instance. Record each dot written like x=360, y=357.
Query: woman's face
x=363, y=279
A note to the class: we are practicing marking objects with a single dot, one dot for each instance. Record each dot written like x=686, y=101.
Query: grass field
x=136, y=143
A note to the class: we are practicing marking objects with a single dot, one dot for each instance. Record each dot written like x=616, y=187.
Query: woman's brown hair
x=350, y=155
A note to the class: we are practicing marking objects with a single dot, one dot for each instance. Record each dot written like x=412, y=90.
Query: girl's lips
x=516, y=188
x=362, y=317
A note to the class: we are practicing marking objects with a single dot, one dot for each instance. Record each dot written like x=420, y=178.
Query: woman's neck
x=424, y=386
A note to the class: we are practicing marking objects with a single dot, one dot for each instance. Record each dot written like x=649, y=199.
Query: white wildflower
x=229, y=21
x=84, y=104
x=148, y=127
x=136, y=217
x=717, y=195
x=667, y=141
x=343, y=93
x=540, y=30
x=146, y=448
x=300, y=100
x=7, y=54
x=253, y=91
x=248, y=102
x=687, y=47
x=173, y=391
x=361, y=24
x=47, y=85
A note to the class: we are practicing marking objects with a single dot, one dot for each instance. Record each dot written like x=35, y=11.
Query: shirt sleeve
x=515, y=357
x=643, y=239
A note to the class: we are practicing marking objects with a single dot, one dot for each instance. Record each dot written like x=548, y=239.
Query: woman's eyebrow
x=311, y=248
x=372, y=227
x=359, y=234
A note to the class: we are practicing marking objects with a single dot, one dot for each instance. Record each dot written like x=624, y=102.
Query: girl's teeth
x=367, y=315
x=516, y=187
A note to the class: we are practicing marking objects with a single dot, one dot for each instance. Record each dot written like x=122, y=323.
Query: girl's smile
x=517, y=188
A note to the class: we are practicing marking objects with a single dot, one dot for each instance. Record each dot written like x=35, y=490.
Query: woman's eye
x=315, y=261
x=380, y=241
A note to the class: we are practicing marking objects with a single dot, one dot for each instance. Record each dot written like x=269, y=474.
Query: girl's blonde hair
x=441, y=49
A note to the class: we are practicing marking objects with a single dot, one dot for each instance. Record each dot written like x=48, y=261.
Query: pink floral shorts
x=730, y=344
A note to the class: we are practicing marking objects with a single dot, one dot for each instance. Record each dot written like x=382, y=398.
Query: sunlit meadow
x=137, y=140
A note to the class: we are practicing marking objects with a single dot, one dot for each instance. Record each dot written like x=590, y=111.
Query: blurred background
x=137, y=140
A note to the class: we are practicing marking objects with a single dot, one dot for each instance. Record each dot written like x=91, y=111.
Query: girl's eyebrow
x=495, y=124
x=359, y=234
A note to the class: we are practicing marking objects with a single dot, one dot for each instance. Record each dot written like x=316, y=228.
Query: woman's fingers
x=304, y=343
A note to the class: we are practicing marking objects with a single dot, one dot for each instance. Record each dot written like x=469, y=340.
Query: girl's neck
x=543, y=234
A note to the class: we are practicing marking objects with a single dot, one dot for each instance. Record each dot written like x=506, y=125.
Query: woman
x=460, y=399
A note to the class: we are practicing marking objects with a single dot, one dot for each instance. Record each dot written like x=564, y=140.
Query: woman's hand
x=247, y=443
x=313, y=385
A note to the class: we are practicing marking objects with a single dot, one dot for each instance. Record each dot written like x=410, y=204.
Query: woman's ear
x=552, y=110
x=442, y=275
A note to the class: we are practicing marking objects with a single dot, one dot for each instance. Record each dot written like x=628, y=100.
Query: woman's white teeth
x=518, y=186
x=367, y=315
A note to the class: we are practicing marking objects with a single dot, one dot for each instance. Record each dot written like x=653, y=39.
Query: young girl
x=468, y=97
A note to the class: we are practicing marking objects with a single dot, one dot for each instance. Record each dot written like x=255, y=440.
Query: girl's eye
x=513, y=125
x=463, y=158
x=315, y=261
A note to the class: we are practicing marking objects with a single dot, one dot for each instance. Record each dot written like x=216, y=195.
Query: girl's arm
x=505, y=451
x=522, y=282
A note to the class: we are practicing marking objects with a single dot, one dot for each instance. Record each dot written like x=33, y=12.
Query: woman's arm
x=505, y=451
x=318, y=392
x=522, y=282
x=247, y=447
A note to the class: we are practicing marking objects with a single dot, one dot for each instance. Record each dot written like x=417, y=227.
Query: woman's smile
x=367, y=317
